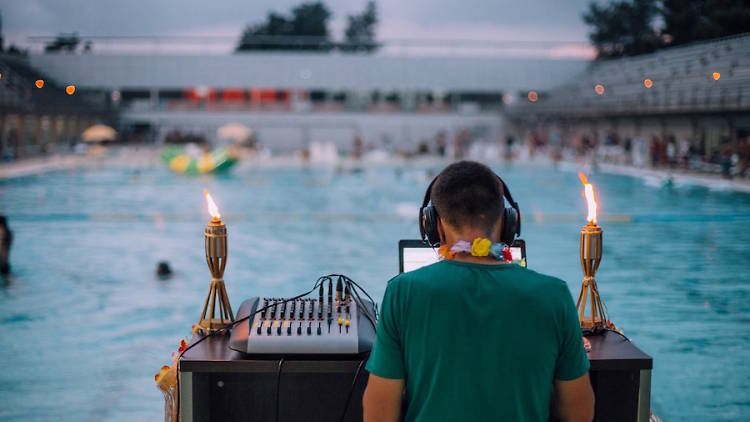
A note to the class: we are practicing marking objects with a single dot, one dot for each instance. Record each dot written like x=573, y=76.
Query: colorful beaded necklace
x=480, y=247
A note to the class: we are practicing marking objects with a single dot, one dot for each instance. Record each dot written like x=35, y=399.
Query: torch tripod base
x=596, y=321
x=216, y=294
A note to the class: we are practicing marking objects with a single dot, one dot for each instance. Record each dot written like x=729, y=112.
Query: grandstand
x=682, y=81
x=698, y=94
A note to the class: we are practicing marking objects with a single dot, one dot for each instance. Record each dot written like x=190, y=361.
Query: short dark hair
x=468, y=194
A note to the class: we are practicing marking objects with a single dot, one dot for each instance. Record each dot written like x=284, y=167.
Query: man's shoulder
x=422, y=274
x=544, y=280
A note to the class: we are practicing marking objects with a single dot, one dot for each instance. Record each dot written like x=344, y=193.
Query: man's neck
x=469, y=236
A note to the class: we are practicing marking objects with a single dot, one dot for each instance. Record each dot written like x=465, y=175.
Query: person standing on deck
x=472, y=337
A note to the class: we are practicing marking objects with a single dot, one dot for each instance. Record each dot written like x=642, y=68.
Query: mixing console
x=304, y=326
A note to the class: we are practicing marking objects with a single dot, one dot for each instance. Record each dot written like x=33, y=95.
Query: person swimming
x=6, y=238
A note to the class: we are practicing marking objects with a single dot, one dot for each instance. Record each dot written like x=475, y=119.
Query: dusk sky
x=547, y=20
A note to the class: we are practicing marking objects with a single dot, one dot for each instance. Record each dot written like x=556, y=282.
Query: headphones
x=428, y=217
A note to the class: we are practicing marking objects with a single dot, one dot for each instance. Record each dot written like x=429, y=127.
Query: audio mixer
x=316, y=326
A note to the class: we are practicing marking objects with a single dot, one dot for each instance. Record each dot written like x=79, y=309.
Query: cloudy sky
x=531, y=20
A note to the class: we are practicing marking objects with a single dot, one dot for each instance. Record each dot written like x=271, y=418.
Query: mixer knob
x=258, y=331
x=299, y=329
x=309, y=328
x=268, y=330
x=319, y=329
x=289, y=330
x=278, y=330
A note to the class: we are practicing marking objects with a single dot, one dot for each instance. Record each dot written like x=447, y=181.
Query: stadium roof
x=307, y=71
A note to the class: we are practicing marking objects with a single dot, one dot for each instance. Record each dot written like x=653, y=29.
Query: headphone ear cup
x=428, y=225
x=510, y=225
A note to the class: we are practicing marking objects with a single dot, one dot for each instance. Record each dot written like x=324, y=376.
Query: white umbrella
x=99, y=133
x=236, y=132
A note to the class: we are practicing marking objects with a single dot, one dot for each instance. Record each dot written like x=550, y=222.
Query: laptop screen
x=415, y=254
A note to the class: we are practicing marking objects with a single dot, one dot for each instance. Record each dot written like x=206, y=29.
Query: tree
x=686, y=21
x=63, y=42
x=360, y=31
x=623, y=27
x=306, y=29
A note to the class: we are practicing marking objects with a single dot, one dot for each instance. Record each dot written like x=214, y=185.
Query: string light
x=716, y=76
x=648, y=83
x=70, y=89
x=533, y=96
x=39, y=83
x=599, y=89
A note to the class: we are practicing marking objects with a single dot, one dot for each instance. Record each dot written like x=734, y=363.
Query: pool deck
x=148, y=156
x=122, y=158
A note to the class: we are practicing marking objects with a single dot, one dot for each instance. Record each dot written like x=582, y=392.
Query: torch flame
x=212, y=208
x=588, y=190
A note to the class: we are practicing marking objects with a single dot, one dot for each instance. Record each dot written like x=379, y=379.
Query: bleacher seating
x=682, y=83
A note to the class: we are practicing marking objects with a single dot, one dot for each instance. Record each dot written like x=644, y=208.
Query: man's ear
x=498, y=229
x=441, y=231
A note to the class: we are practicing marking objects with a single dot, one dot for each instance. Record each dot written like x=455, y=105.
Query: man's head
x=468, y=198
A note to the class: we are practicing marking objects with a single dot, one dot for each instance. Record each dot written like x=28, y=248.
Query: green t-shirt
x=477, y=342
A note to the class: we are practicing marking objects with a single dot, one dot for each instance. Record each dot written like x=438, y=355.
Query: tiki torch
x=216, y=258
x=591, y=256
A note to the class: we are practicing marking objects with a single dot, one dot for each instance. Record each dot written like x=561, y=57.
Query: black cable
x=351, y=390
x=619, y=333
x=590, y=332
x=278, y=383
x=365, y=311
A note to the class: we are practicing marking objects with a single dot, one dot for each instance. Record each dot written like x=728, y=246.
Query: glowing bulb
x=599, y=89
x=533, y=96
x=39, y=83
x=212, y=208
x=70, y=89
x=648, y=83
x=588, y=190
x=716, y=76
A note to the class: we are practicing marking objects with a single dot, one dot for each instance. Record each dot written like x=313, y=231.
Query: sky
x=529, y=20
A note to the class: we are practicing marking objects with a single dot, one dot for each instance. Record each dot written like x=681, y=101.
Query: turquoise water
x=86, y=324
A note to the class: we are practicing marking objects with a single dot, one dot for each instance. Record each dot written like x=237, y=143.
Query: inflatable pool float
x=181, y=162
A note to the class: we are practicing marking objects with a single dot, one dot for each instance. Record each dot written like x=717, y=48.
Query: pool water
x=86, y=323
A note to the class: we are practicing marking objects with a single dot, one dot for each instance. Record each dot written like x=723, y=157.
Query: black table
x=217, y=383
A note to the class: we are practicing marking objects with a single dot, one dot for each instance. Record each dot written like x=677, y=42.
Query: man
x=472, y=338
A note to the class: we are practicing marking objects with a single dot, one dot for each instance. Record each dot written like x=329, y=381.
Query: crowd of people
x=667, y=151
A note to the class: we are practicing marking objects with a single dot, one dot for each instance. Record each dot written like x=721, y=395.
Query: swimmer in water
x=6, y=238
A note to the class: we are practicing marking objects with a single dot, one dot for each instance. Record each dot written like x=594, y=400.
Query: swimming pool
x=86, y=323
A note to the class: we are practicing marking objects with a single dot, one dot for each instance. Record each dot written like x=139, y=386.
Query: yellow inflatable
x=180, y=162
